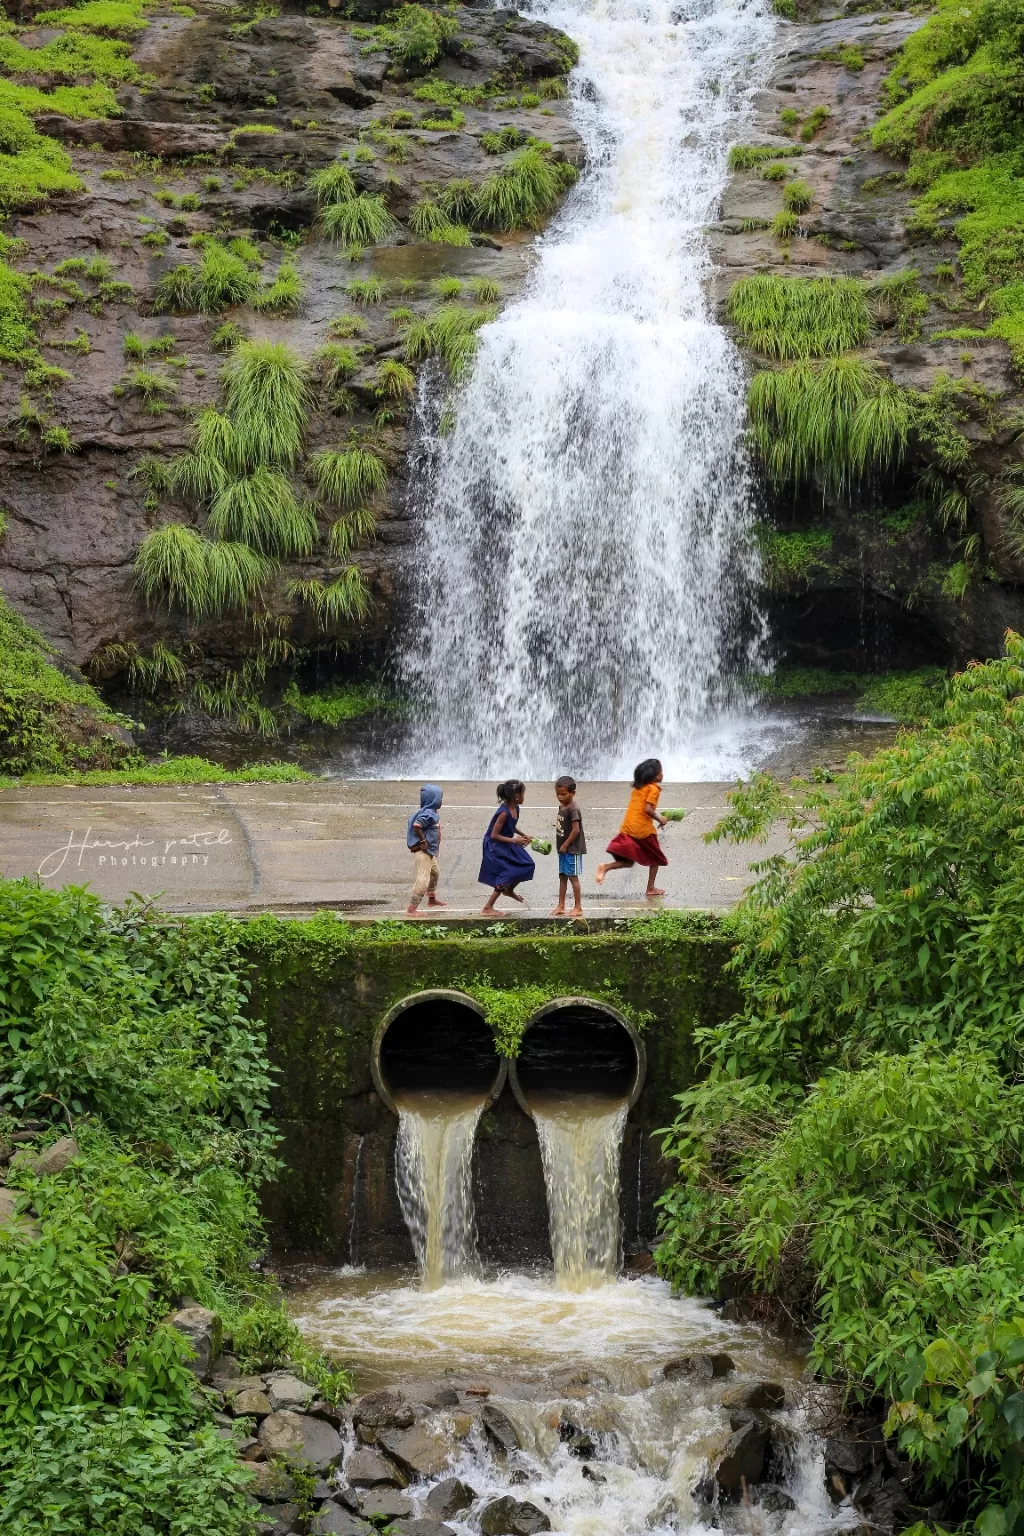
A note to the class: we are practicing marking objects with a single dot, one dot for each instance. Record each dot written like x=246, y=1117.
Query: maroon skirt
x=637, y=850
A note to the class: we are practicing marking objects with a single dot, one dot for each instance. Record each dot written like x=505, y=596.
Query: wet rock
x=448, y=1498
x=592, y=1476
x=742, y=1461
x=776, y=1501
x=271, y=1483
x=203, y=1331
x=295, y=1435
x=277, y=1520
x=367, y=1468
x=334, y=1520
x=419, y=1452
x=253, y=1403
x=518, y=1476
x=700, y=1367
x=20, y=1226
x=320, y=1409
x=881, y=1499
x=763, y=1394
x=847, y=1456
x=389, y=1502
x=383, y=1410
x=287, y=1391
x=421, y=1528
x=508, y=1517
x=248, y=1449
x=500, y=1428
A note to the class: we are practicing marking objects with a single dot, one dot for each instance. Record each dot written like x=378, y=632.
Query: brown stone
x=417, y=1451
x=367, y=1468
x=302, y=1438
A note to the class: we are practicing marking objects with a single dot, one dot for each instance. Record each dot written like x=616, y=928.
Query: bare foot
x=513, y=896
x=576, y=912
x=599, y=874
x=652, y=891
x=412, y=911
x=488, y=911
x=432, y=902
x=557, y=911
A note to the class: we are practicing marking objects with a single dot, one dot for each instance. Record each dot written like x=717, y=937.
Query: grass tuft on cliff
x=176, y=565
x=794, y=317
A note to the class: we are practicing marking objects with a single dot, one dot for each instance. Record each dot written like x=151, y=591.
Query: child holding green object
x=571, y=844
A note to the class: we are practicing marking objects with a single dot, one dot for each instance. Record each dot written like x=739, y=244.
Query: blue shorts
x=571, y=864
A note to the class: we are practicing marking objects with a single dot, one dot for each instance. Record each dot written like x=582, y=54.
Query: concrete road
x=339, y=843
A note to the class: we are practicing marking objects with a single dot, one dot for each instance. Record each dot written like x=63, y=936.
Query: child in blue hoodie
x=424, y=839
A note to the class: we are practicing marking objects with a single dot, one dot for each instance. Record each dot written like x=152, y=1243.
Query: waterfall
x=434, y=1175
x=587, y=561
x=580, y=1140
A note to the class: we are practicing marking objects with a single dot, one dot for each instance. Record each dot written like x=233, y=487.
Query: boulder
x=334, y=1520
x=53, y=1159
x=320, y=1409
x=253, y=1403
x=367, y=1468
x=776, y=1501
x=419, y=1452
x=595, y=1477
x=391, y=1503
x=382, y=1410
x=420, y=1528
x=203, y=1331
x=742, y=1461
x=20, y=1226
x=448, y=1498
x=271, y=1483
x=295, y=1435
x=500, y=1428
x=762, y=1394
x=287, y=1391
x=509, y=1517
x=700, y=1367
x=277, y=1520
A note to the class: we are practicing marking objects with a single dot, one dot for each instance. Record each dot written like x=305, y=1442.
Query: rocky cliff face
x=874, y=578
x=174, y=165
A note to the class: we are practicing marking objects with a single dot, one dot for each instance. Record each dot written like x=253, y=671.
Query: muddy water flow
x=434, y=1174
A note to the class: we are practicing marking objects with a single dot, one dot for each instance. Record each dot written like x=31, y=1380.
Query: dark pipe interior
x=579, y=1049
x=438, y=1044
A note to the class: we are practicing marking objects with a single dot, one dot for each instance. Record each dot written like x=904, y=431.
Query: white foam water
x=589, y=570
x=434, y=1176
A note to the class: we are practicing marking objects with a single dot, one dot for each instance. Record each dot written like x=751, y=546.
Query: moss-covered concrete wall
x=323, y=987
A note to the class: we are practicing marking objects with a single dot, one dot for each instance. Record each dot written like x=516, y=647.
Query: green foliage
x=898, y=299
x=47, y=722
x=173, y=770
x=284, y=295
x=335, y=363
x=346, y=533
x=221, y=278
x=342, y=701
x=394, y=381
x=259, y=509
x=31, y=165
x=500, y=142
x=855, y=1146
x=485, y=290
x=266, y=394
x=176, y=565
x=450, y=334
x=790, y=317
x=814, y=122
x=785, y=225
x=744, y=157
x=334, y=184
x=362, y=220
x=342, y=600
x=418, y=36
x=521, y=193
x=17, y=332
x=366, y=290
x=508, y=1010
x=788, y=558
x=907, y=696
x=798, y=196
x=126, y=1474
x=348, y=477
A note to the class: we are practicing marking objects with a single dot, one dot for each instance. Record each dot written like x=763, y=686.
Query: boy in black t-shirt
x=571, y=845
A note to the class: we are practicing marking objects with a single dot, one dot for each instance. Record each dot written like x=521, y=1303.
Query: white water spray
x=589, y=568
x=580, y=1141
x=434, y=1174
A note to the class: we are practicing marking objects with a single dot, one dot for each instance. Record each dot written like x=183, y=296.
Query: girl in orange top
x=637, y=839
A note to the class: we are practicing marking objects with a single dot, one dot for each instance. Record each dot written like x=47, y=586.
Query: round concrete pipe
x=436, y=1041
x=579, y=1045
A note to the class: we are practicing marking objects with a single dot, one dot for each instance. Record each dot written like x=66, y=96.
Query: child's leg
x=577, y=906
x=559, y=911
x=492, y=898
x=421, y=883
x=652, y=889
x=435, y=875
x=602, y=869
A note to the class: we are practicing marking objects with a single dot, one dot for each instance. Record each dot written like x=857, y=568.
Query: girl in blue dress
x=506, y=863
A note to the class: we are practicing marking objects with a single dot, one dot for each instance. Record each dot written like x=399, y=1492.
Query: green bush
x=789, y=317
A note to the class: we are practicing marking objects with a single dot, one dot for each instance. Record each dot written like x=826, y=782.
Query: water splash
x=580, y=1142
x=588, y=560
x=434, y=1175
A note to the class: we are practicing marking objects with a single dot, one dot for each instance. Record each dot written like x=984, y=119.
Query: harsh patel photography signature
x=192, y=849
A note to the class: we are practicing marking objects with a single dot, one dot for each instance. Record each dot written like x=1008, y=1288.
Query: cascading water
x=434, y=1174
x=588, y=564
x=580, y=1140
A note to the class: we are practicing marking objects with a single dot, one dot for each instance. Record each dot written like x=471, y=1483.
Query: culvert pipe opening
x=580, y=1067
x=434, y=1063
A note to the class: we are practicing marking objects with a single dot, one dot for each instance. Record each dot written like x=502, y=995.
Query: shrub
x=266, y=395
x=348, y=477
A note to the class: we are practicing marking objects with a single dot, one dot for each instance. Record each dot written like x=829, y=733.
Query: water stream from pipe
x=580, y=1139
x=434, y=1174
x=587, y=556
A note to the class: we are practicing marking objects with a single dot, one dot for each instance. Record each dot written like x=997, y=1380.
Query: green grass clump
x=790, y=317
x=117, y=17
x=367, y=290
x=838, y=419
x=339, y=703
x=898, y=299
x=793, y=558
x=17, y=327
x=785, y=225
x=32, y=166
x=335, y=363
x=814, y=122
x=447, y=288
x=284, y=295
x=72, y=56
x=798, y=196
x=47, y=722
x=348, y=532
x=484, y=289
x=340, y=601
x=745, y=157
x=502, y=141
x=266, y=394
x=259, y=509
x=218, y=280
x=418, y=36
x=775, y=172
x=394, y=381
x=176, y=565
x=458, y=199
x=348, y=477
x=334, y=184
x=362, y=220
x=174, y=770
x=426, y=216
x=450, y=334
x=520, y=194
